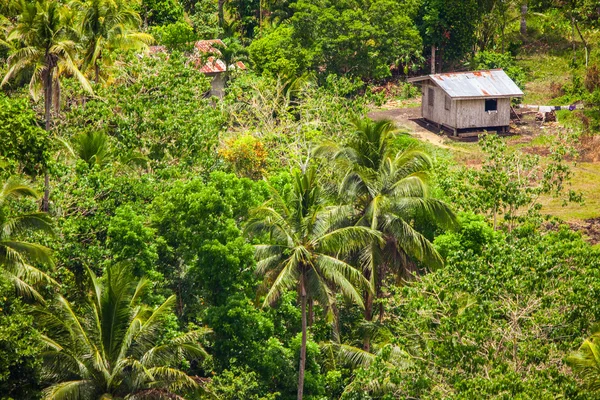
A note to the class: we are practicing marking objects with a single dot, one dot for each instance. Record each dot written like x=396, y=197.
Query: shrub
x=246, y=156
x=24, y=145
x=177, y=36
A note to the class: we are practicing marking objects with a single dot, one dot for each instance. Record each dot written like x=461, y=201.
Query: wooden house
x=468, y=101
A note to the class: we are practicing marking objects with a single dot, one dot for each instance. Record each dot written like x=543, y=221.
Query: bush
x=24, y=145
x=160, y=12
x=277, y=54
x=176, y=36
x=246, y=156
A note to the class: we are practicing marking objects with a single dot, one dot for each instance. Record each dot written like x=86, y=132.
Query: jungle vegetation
x=283, y=242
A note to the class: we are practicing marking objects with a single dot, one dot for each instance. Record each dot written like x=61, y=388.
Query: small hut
x=205, y=58
x=468, y=101
x=213, y=66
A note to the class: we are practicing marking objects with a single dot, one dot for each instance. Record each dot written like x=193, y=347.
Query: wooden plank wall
x=472, y=114
x=438, y=113
x=463, y=114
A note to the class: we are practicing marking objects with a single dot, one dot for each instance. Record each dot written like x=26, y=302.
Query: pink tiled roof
x=213, y=65
x=210, y=65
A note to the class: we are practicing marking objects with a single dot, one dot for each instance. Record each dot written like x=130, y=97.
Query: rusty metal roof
x=474, y=84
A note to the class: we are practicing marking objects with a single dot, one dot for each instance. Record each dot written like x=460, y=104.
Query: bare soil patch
x=410, y=120
x=589, y=228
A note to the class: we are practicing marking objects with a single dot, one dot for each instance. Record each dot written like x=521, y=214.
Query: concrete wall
x=462, y=113
x=217, y=85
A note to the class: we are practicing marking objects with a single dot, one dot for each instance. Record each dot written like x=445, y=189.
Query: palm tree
x=384, y=362
x=303, y=250
x=586, y=360
x=109, y=25
x=109, y=348
x=16, y=255
x=93, y=147
x=388, y=190
x=43, y=47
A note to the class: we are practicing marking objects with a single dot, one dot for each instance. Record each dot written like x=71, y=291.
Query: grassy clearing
x=547, y=74
x=586, y=179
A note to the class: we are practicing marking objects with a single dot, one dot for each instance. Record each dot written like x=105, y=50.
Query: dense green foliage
x=276, y=243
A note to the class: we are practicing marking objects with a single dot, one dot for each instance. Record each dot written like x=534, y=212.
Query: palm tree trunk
x=303, y=346
x=48, y=124
x=368, y=318
x=221, y=3
x=48, y=100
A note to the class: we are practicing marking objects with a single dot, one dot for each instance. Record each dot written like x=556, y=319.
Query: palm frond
x=412, y=242
x=39, y=221
x=346, y=240
x=70, y=390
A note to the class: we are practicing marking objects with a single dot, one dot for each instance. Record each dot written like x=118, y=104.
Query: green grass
x=586, y=179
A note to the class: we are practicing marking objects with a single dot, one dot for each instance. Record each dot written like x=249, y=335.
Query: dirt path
x=406, y=118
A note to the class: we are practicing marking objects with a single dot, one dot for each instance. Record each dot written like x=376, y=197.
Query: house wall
x=438, y=113
x=472, y=114
x=462, y=113
x=217, y=86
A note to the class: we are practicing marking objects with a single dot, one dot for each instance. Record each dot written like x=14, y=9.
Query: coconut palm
x=106, y=26
x=388, y=189
x=386, y=361
x=110, y=347
x=16, y=255
x=43, y=46
x=586, y=360
x=303, y=247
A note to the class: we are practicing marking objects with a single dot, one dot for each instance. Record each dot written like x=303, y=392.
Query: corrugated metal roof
x=475, y=84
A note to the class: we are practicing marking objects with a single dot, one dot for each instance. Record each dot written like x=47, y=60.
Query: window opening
x=491, y=105
x=447, y=103
x=430, y=96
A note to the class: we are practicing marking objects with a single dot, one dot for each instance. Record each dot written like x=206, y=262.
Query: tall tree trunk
x=433, y=59
x=48, y=82
x=221, y=4
x=48, y=99
x=573, y=37
x=379, y=295
x=303, y=346
x=524, y=18
x=368, y=318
